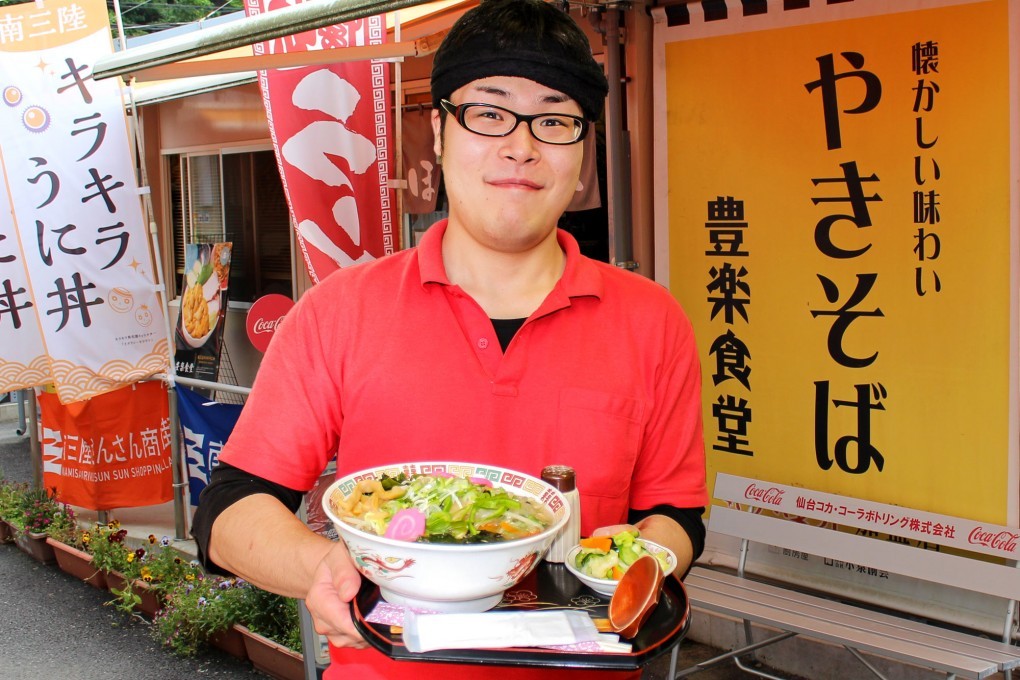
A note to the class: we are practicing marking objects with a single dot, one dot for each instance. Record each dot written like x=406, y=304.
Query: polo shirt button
x=483, y=343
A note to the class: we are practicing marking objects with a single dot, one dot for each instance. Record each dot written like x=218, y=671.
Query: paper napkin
x=426, y=632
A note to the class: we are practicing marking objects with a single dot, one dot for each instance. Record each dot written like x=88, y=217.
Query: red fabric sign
x=420, y=166
x=111, y=451
x=330, y=127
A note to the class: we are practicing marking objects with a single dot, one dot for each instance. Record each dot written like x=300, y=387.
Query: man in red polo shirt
x=494, y=341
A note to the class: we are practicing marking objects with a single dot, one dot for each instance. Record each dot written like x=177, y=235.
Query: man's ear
x=437, y=133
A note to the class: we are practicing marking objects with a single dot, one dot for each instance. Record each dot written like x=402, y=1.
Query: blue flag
x=205, y=426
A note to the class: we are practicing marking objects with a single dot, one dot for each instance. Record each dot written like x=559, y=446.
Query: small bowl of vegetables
x=600, y=562
x=445, y=536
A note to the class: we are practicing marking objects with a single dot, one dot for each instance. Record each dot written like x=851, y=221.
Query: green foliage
x=11, y=494
x=64, y=527
x=38, y=508
x=158, y=564
x=275, y=617
x=161, y=566
x=125, y=600
x=106, y=544
x=141, y=17
x=197, y=610
x=28, y=509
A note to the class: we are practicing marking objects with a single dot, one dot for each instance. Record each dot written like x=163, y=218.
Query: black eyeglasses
x=490, y=120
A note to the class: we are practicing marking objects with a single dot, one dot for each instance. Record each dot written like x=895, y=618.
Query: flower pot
x=35, y=546
x=230, y=641
x=272, y=658
x=77, y=563
x=6, y=532
x=150, y=602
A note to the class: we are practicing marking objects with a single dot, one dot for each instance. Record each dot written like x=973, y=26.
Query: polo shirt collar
x=580, y=278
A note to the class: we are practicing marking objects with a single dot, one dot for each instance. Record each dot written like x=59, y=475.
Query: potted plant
x=153, y=571
x=38, y=507
x=106, y=543
x=147, y=574
x=202, y=612
x=10, y=504
x=111, y=555
x=70, y=547
x=236, y=617
x=272, y=635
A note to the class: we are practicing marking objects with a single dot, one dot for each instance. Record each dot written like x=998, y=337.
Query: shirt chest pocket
x=599, y=434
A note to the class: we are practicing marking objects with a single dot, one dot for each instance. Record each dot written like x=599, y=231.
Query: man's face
x=508, y=192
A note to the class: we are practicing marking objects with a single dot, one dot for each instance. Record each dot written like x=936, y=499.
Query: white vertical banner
x=80, y=228
x=23, y=363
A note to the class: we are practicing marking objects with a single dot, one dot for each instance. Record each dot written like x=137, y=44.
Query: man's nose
x=520, y=144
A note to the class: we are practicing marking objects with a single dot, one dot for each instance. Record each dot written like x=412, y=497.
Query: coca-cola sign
x=265, y=325
x=265, y=317
x=768, y=495
x=1004, y=541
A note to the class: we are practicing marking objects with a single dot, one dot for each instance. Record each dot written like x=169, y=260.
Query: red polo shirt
x=388, y=362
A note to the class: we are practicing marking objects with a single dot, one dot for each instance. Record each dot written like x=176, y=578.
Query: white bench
x=804, y=522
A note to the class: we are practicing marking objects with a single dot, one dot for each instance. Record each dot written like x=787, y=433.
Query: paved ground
x=54, y=627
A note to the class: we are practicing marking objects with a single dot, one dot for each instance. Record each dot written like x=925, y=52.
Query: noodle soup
x=495, y=540
x=441, y=508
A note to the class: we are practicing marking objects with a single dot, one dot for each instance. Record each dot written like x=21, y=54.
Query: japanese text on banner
x=78, y=220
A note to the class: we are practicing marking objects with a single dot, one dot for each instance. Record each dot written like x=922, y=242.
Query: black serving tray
x=549, y=586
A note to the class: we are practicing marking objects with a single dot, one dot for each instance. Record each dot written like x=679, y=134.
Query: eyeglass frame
x=457, y=111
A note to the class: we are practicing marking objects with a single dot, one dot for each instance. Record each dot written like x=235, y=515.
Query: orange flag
x=111, y=451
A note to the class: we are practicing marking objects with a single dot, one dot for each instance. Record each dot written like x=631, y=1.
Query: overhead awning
x=168, y=90
x=250, y=30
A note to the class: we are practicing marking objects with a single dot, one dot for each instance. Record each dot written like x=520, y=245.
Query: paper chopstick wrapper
x=427, y=632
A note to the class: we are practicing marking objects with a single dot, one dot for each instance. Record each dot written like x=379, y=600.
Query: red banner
x=111, y=451
x=420, y=166
x=330, y=127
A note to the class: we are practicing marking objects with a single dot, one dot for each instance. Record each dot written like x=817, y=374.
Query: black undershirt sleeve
x=227, y=485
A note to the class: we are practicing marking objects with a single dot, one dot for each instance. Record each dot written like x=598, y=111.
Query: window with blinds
x=236, y=197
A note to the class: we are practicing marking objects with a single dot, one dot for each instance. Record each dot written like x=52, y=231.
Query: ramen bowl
x=447, y=577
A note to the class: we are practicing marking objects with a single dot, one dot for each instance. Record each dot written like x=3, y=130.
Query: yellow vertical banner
x=841, y=216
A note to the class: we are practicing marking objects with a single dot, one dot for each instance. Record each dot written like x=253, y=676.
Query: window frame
x=169, y=240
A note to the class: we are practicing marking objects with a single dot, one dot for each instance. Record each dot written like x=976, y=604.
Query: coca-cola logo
x=265, y=325
x=1005, y=541
x=264, y=318
x=767, y=495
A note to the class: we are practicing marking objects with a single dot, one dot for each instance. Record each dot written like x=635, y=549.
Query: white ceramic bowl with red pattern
x=447, y=577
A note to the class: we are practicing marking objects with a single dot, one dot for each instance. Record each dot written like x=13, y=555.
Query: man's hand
x=262, y=541
x=335, y=583
x=662, y=530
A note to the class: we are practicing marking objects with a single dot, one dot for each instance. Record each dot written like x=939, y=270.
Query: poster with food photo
x=203, y=306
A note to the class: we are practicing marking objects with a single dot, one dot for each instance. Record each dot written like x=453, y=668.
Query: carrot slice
x=617, y=573
x=603, y=543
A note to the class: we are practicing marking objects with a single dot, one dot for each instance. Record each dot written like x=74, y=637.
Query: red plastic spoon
x=636, y=595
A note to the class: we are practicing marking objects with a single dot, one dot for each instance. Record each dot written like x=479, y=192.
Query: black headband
x=548, y=63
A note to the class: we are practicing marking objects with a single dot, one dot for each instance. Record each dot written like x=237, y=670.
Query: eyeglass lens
x=495, y=121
